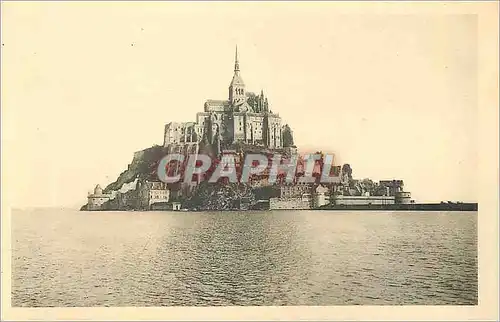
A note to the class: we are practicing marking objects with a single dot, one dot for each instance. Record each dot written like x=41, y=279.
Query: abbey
x=244, y=117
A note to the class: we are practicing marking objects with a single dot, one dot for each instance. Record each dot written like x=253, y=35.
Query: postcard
x=249, y=160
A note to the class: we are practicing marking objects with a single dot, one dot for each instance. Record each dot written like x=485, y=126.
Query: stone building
x=150, y=192
x=392, y=186
x=243, y=117
x=97, y=200
x=395, y=188
x=321, y=196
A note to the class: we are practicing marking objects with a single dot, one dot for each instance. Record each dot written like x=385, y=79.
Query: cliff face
x=143, y=167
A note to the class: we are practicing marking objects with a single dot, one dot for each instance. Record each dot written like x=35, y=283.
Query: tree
x=368, y=185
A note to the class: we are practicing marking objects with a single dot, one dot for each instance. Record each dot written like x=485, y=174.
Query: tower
x=237, y=87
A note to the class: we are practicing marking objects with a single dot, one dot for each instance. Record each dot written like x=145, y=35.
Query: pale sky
x=86, y=84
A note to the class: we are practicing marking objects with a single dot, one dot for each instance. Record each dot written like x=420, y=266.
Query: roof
x=98, y=190
x=217, y=102
x=237, y=80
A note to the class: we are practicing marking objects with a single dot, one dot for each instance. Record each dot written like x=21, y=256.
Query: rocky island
x=232, y=129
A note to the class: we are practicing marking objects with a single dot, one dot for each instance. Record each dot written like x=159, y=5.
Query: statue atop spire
x=236, y=62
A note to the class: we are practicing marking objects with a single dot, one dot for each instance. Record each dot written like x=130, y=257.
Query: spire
x=236, y=62
x=237, y=86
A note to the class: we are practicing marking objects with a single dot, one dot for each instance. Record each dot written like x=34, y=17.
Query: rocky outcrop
x=220, y=196
x=143, y=167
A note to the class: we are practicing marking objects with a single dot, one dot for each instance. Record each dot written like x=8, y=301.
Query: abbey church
x=244, y=117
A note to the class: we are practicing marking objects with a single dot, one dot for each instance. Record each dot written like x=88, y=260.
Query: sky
x=86, y=84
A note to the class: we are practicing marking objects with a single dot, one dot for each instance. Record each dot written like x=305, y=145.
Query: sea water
x=66, y=257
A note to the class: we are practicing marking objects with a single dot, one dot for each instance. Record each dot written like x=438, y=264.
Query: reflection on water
x=71, y=258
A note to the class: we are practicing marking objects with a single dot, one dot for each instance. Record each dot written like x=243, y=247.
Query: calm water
x=71, y=258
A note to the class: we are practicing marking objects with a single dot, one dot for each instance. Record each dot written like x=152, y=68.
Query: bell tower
x=237, y=87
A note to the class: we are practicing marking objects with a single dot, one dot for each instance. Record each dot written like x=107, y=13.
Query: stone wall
x=96, y=202
x=291, y=203
x=364, y=200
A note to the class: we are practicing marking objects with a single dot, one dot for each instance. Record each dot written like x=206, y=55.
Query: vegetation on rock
x=220, y=196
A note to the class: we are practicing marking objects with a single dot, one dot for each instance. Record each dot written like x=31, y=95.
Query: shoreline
x=409, y=207
x=393, y=207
